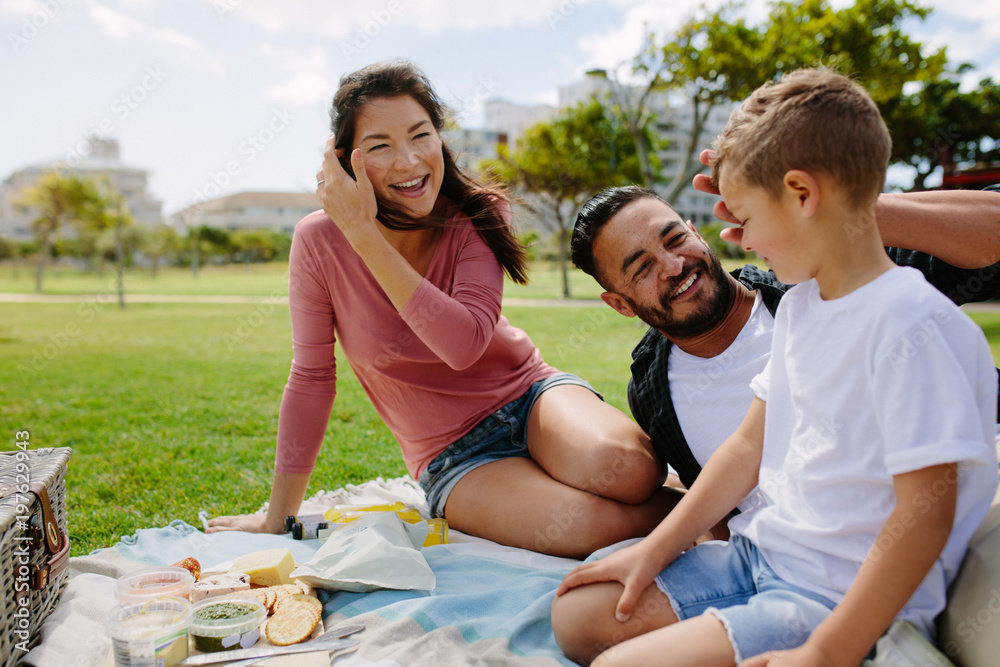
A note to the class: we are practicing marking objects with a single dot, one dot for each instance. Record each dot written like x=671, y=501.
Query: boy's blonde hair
x=814, y=120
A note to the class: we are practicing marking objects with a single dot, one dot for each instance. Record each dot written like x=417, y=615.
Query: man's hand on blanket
x=635, y=567
x=250, y=523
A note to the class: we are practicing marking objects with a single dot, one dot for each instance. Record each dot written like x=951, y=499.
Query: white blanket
x=490, y=605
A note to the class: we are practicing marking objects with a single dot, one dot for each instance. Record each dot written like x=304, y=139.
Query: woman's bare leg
x=514, y=502
x=588, y=444
x=583, y=442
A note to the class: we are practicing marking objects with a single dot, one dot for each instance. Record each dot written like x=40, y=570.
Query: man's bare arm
x=961, y=227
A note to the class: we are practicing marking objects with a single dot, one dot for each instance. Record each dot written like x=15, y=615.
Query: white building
x=469, y=147
x=512, y=120
x=103, y=162
x=249, y=210
x=691, y=204
x=673, y=125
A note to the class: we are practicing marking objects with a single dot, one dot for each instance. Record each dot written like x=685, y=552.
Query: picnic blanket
x=491, y=604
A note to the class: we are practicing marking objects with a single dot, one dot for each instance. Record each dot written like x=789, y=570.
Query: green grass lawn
x=242, y=280
x=230, y=279
x=253, y=280
x=172, y=408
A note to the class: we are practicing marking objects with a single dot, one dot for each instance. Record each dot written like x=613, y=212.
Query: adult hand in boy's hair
x=704, y=183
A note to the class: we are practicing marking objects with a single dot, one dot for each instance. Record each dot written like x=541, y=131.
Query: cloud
x=304, y=88
x=458, y=14
x=430, y=16
x=119, y=25
x=19, y=8
x=186, y=42
x=114, y=23
x=971, y=33
x=307, y=81
x=616, y=46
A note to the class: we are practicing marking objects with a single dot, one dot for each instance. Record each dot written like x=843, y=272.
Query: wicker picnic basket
x=34, y=545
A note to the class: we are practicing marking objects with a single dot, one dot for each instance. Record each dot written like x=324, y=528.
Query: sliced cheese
x=220, y=584
x=266, y=568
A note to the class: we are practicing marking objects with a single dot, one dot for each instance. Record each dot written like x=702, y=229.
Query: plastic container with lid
x=153, y=582
x=153, y=633
x=226, y=622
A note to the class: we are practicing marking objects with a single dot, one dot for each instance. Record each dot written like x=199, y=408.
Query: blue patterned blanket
x=490, y=604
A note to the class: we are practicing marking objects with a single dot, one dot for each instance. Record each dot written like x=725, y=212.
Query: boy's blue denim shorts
x=501, y=435
x=732, y=581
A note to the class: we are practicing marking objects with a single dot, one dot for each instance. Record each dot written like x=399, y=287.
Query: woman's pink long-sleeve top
x=432, y=371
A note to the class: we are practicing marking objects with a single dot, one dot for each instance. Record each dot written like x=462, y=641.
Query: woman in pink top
x=404, y=268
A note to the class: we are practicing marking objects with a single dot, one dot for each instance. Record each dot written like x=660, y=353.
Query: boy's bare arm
x=728, y=476
x=906, y=548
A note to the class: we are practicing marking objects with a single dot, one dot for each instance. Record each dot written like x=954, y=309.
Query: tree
x=159, y=242
x=632, y=108
x=85, y=244
x=9, y=250
x=206, y=241
x=712, y=61
x=258, y=245
x=60, y=200
x=118, y=217
x=104, y=230
x=562, y=163
x=718, y=58
x=939, y=125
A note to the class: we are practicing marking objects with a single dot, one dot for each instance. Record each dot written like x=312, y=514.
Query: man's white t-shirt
x=711, y=396
x=886, y=380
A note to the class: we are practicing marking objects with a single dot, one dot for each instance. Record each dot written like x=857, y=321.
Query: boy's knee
x=576, y=627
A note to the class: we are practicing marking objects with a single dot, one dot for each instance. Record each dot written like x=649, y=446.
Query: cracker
x=300, y=599
x=291, y=589
x=280, y=594
x=293, y=624
x=266, y=596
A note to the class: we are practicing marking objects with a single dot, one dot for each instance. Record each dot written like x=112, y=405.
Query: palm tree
x=60, y=199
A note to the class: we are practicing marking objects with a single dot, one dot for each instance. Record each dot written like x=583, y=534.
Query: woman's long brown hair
x=482, y=203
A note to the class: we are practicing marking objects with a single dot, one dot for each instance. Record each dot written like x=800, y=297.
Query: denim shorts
x=731, y=581
x=501, y=435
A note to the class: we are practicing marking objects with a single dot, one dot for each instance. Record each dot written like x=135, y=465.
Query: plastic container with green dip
x=153, y=633
x=153, y=582
x=226, y=622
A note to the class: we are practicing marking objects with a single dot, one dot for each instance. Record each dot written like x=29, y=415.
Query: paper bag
x=370, y=553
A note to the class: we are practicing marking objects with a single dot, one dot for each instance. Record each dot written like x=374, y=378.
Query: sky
x=224, y=96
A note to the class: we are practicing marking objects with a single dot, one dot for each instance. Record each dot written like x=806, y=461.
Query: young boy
x=870, y=441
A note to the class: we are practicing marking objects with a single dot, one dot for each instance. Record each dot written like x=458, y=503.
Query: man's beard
x=710, y=311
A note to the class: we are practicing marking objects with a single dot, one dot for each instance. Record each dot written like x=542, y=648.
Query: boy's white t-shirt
x=711, y=396
x=886, y=380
